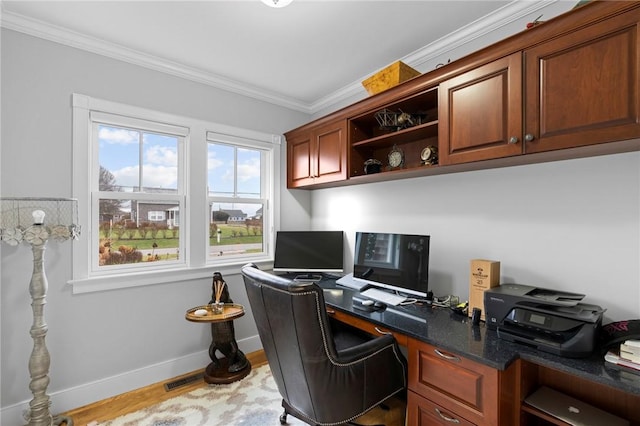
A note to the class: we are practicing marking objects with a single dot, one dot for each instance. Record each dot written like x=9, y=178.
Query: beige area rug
x=252, y=401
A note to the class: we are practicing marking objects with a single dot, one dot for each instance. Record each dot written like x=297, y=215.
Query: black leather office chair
x=326, y=376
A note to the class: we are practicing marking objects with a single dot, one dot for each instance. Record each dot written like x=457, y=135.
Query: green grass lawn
x=231, y=234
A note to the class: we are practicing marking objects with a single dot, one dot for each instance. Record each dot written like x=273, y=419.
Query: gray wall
x=570, y=225
x=103, y=343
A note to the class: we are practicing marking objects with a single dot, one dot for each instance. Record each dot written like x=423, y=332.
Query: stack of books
x=627, y=356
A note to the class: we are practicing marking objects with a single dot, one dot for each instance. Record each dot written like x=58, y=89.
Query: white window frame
x=148, y=125
x=195, y=263
x=266, y=162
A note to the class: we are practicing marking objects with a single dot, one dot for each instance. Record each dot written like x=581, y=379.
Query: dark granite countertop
x=454, y=332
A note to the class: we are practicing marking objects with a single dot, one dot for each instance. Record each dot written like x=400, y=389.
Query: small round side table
x=234, y=365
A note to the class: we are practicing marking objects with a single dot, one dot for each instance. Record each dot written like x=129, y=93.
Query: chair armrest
x=366, y=349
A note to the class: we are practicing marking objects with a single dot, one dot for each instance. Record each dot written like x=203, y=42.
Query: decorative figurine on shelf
x=223, y=333
x=372, y=166
x=396, y=121
x=535, y=22
x=429, y=156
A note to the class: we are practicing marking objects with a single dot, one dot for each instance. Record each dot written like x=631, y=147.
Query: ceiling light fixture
x=276, y=3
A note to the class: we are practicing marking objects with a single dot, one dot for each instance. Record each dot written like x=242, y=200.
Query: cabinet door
x=582, y=88
x=300, y=154
x=317, y=155
x=480, y=112
x=331, y=152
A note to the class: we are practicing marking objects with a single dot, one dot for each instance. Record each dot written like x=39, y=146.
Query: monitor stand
x=308, y=278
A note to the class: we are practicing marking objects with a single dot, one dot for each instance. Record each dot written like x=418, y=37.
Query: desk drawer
x=365, y=325
x=459, y=385
x=422, y=412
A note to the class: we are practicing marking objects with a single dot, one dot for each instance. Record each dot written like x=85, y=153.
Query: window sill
x=138, y=279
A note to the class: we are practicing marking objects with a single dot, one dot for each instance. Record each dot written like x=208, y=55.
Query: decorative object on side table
x=220, y=312
x=429, y=156
x=219, y=287
x=396, y=158
x=35, y=221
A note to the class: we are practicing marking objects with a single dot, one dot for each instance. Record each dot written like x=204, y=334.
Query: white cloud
x=160, y=176
x=213, y=162
x=154, y=176
x=249, y=170
x=162, y=155
x=117, y=136
x=127, y=176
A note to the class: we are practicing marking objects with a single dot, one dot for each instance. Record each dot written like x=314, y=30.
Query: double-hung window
x=238, y=194
x=137, y=184
x=167, y=198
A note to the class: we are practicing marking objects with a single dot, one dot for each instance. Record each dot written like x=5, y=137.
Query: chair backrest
x=295, y=334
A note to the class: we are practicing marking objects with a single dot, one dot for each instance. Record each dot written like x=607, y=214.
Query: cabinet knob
x=513, y=139
x=529, y=137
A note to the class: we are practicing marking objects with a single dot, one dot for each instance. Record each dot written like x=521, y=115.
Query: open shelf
x=370, y=139
x=540, y=418
x=421, y=131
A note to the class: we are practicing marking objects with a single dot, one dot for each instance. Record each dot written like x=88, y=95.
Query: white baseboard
x=98, y=390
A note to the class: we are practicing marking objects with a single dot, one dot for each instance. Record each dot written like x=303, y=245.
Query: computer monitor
x=393, y=261
x=310, y=252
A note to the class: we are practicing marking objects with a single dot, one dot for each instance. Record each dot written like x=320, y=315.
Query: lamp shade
x=276, y=3
x=36, y=219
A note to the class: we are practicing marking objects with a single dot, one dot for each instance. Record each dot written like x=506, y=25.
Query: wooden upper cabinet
x=564, y=89
x=582, y=88
x=317, y=155
x=480, y=112
x=299, y=161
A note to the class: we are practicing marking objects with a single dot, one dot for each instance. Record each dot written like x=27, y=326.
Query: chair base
x=285, y=413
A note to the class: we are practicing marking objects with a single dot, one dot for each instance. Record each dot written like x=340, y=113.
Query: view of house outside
x=139, y=228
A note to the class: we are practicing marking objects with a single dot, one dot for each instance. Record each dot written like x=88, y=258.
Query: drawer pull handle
x=445, y=356
x=447, y=418
x=331, y=311
x=382, y=331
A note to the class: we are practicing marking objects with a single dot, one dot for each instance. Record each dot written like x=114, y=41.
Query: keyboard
x=383, y=296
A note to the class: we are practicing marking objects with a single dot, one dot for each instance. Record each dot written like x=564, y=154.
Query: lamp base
x=57, y=421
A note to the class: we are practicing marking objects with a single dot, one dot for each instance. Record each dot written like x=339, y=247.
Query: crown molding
x=479, y=28
x=500, y=18
x=37, y=28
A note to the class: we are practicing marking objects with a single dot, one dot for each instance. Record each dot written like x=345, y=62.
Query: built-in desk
x=509, y=370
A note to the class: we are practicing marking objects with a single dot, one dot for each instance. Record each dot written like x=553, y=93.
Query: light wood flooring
x=129, y=402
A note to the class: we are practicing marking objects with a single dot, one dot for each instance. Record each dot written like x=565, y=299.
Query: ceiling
x=301, y=56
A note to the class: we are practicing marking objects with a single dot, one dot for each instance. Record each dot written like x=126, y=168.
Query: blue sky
x=119, y=152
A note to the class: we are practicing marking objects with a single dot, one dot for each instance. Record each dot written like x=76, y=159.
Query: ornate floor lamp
x=35, y=221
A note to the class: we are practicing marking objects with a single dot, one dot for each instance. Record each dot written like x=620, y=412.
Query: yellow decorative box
x=389, y=77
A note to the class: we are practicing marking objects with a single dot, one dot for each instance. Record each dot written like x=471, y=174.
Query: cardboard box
x=391, y=76
x=484, y=274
